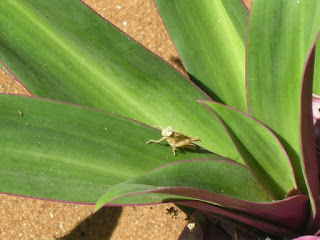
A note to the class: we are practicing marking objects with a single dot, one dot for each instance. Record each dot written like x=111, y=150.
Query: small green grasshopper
x=175, y=139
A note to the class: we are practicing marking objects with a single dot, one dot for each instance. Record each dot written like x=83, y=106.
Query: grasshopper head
x=167, y=132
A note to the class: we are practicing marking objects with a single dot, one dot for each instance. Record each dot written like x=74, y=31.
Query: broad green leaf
x=214, y=177
x=276, y=57
x=210, y=38
x=316, y=79
x=64, y=152
x=64, y=51
x=260, y=149
x=222, y=185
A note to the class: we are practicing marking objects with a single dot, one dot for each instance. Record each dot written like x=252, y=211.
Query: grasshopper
x=175, y=139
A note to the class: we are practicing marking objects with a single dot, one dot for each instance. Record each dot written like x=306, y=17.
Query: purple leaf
x=316, y=118
x=308, y=146
x=307, y=238
x=192, y=232
x=278, y=219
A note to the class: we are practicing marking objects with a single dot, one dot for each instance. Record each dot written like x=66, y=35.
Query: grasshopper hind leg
x=190, y=146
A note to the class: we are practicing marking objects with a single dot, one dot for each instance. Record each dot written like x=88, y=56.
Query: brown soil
x=23, y=218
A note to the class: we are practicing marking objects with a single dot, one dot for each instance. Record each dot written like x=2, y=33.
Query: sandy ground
x=26, y=219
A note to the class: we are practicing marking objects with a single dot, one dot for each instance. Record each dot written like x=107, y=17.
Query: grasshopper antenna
x=170, y=119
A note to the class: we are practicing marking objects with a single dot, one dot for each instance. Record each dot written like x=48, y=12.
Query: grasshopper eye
x=169, y=133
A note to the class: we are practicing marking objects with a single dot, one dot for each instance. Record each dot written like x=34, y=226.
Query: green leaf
x=210, y=38
x=212, y=178
x=260, y=149
x=276, y=57
x=64, y=51
x=63, y=152
x=222, y=186
x=316, y=77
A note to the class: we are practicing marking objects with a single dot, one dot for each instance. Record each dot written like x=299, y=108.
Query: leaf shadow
x=177, y=62
x=98, y=226
x=183, y=150
x=206, y=89
x=199, y=83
